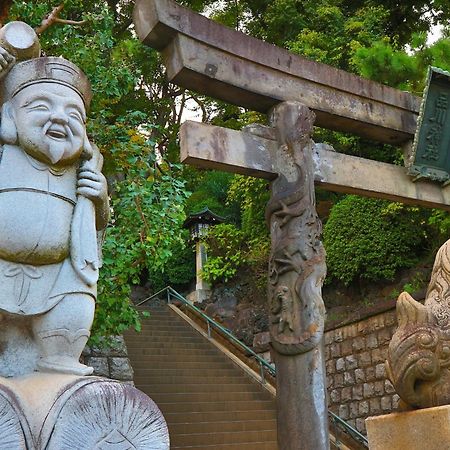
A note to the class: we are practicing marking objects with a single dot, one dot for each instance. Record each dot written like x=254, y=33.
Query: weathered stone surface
x=53, y=200
x=414, y=430
x=113, y=346
x=386, y=403
x=360, y=376
x=340, y=364
x=99, y=364
x=296, y=273
x=14, y=428
x=53, y=209
x=351, y=362
x=418, y=362
x=226, y=60
x=116, y=415
x=357, y=392
x=121, y=369
x=380, y=371
x=58, y=411
x=375, y=406
x=211, y=147
x=261, y=342
x=360, y=425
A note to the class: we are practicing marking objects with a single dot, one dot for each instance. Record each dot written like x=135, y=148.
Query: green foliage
x=281, y=21
x=146, y=223
x=209, y=189
x=371, y=239
x=225, y=255
x=246, y=248
x=252, y=195
x=132, y=121
x=417, y=282
x=400, y=68
x=179, y=270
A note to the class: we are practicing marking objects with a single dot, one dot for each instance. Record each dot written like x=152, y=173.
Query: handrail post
x=261, y=369
x=209, y=330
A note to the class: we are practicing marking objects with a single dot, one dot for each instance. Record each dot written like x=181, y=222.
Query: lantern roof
x=205, y=216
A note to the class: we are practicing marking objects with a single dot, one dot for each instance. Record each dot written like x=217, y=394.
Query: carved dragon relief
x=418, y=363
x=297, y=260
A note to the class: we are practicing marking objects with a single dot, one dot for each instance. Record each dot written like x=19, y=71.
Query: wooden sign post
x=202, y=55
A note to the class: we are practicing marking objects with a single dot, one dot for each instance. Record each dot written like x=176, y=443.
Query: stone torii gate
x=217, y=61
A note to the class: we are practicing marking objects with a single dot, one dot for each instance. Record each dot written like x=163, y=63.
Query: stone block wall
x=357, y=382
x=110, y=361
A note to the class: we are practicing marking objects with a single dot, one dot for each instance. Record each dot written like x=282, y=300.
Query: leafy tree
x=134, y=123
x=136, y=115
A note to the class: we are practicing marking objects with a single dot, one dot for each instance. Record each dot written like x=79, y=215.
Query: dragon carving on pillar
x=297, y=261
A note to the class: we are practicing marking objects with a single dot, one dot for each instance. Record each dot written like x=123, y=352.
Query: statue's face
x=50, y=121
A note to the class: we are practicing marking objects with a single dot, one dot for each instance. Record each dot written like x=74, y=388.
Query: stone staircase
x=208, y=402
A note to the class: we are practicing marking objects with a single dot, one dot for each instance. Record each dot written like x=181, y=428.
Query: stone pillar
x=200, y=258
x=202, y=288
x=296, y=273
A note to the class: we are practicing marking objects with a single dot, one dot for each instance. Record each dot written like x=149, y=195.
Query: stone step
x=241, y=446
x=201, y=397
x=178, y=332
x=235, y=405
x=232, y=425
x=173, y=352
x=144, y=363
x=166, y=330
x=200, y=387
x=157, y=340
x=185, y=372
x=169, y=345
x=156, y=378
x=225, y=437
x=179, y=358
x=156, y=329
x=218, y=416
x=208, y=402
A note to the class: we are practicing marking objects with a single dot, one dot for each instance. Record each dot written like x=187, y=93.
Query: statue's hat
x=47, y=70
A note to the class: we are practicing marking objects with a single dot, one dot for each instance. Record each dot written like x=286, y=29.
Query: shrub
x=371, y=239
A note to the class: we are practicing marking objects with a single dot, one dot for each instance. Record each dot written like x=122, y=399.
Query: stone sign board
x=430, y=153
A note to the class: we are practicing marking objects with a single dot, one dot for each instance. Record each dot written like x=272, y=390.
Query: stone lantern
x=198, y=225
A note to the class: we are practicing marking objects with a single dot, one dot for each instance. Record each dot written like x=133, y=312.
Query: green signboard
x=431, y=149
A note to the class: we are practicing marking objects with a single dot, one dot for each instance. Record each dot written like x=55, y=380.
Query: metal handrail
x=349, y=429
x=262, y=362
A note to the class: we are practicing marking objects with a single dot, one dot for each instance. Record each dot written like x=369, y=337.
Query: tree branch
x=70, y=22
x=53, y=18
x=50, y=19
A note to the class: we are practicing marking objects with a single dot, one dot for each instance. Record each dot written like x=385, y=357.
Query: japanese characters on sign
x=431, y=158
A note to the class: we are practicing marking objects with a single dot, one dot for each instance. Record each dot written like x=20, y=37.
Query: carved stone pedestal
x=412, y=430
x=62, y=412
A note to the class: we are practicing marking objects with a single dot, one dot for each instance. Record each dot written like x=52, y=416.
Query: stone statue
x=53, y=199
x=53, y=210
x=418, y=362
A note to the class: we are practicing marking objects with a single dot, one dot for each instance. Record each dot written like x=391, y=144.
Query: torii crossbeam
x=214, y=60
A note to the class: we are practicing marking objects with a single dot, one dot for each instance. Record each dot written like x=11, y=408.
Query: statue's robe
x=37, y=204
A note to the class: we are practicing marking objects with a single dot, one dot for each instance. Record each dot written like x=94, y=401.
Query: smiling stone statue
x=52, y=198
x=53, y=210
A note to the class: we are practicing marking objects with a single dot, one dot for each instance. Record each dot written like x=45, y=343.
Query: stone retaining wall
x=110, y=361
x=357, y=383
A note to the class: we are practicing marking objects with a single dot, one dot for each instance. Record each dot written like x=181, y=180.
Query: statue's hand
x=6, y=61
x=92, y=185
